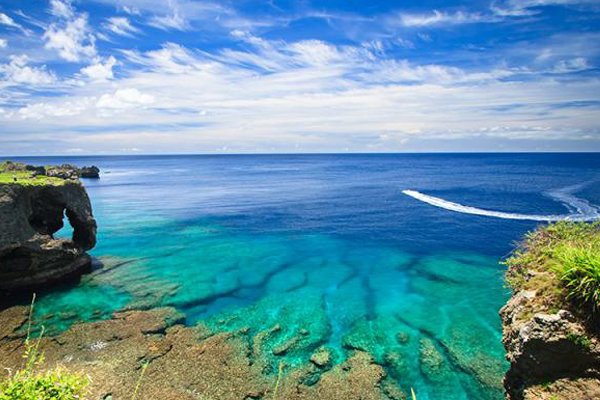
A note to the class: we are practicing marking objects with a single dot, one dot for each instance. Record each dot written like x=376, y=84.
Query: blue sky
x=247, y=76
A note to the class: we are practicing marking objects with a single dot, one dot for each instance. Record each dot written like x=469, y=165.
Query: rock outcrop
x=29, y=217
x=68, y=171
x=551, y=336
x=186, y=362
x=550, y=354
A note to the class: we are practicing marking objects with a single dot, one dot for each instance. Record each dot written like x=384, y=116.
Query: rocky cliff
x=30, y=214
x=550, y=334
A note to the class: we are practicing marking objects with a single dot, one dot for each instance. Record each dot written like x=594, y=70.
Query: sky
x=298, y=76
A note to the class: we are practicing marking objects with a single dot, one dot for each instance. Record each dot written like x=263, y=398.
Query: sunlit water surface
x=326, y=245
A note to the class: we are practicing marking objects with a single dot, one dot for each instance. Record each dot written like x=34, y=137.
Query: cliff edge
x=551, y=323
x=32, y=210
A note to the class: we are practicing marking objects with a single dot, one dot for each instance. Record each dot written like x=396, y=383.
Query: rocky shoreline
x=552, y=356
x=190, y=362
x=32, y=209
x=552, y=346
x=552, y=343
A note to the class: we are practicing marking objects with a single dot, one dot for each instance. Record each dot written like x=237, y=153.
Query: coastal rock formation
x=551, y=334
x=187, y=363
x=549, y=351
x=29, y=216
x=68, y=171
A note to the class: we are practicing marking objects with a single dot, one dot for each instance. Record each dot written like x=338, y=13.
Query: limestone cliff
x=551, y=337
x=30, y=214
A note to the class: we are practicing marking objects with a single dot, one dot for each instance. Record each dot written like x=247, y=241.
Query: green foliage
x=56, y=384
x=19, y=173
x=32, y=383
x=578, y=267
x=279, y=374
x=139, y=382
x=561, y=261
x=580, y=340
x=28, y=179
x=12, y=166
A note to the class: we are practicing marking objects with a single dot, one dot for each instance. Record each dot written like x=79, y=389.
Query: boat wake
x=580, y=209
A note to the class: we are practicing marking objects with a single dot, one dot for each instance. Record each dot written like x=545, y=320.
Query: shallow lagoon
x=327, y=247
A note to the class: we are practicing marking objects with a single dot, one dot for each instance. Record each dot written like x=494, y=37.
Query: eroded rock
x=543, y=348
x=29, y=216
x=68, y=171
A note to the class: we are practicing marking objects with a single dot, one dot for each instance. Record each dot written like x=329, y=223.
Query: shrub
x=578, y=267
x=561, y=261
x=57, y=384
x=32, y=383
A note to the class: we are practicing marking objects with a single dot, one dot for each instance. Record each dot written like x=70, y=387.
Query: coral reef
x=187, y=363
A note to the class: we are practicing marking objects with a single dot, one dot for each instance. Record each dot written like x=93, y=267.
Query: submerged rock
x=29, y=217
x=185, y=364
x=322, y=357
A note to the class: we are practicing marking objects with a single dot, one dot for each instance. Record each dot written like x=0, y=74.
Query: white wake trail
x=581, y=209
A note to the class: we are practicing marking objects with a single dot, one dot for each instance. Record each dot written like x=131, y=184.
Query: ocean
x=395, y=254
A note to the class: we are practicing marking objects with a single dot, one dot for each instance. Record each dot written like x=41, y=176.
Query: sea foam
x=581, y=210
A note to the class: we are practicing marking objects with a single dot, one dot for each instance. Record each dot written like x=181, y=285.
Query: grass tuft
x=32, y=383
x=139, y=382
x=561, y=261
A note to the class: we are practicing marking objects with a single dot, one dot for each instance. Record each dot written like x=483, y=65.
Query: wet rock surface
x=29, y=216
x=187, y=363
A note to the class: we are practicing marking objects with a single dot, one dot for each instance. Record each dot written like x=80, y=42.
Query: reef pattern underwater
x=325, y=248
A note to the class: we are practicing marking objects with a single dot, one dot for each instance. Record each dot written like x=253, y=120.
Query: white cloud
x=407, y=44
x=322, y=96
x=39, y=111
x=439, y=18
x=523, y=8
x=120, y=26
x=185, y=14
x=8, y=21
x=537, y=3
x=18, y=72
x=171, y=21
x=3, y=43
x=131, y=10
x=572, y=65
x=62, y=9
x=125, y=98
x=71, y=36
x=100, y=71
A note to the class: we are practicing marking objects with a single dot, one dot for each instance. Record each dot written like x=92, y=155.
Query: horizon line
x=293, y=154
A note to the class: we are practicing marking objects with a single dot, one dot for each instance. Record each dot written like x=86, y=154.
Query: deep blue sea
x=328, y=244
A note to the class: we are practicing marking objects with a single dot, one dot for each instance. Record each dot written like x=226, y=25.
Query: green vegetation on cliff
x=28, y=179
x=561, y=262
x=17, y=173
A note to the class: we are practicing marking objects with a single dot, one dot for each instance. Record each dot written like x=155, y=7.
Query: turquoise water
x=325, y=246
